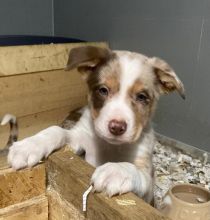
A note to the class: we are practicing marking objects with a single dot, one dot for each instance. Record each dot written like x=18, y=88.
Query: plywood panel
x=19, y=186
x=32, y=93
x=35, y=58
x=33, y=209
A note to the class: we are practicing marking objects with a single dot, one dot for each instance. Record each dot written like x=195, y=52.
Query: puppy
x=114, y=130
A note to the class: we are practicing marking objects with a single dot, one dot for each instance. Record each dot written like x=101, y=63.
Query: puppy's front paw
x=115, y=178
x=25, y=153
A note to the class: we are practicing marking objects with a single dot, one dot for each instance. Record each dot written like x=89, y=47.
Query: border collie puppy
x=114, y=131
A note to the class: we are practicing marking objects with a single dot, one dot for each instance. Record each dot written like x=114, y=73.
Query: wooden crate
x=35, y=88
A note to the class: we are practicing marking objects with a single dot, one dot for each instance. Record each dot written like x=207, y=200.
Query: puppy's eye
x=103, y=91
x=142, y=97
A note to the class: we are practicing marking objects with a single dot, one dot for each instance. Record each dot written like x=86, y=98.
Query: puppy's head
x=123, y=89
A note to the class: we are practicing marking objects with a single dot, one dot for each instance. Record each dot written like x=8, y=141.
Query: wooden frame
x=25, y=195
x=68, y=182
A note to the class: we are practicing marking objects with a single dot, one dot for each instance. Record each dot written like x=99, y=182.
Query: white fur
x=7, y=118
x=167, y=201
x=31, y=150
x=130, y=71
x=117, y=178
x=116, y=109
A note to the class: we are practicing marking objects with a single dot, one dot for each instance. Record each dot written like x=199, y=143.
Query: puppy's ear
x=168, y=81
x=87, y=58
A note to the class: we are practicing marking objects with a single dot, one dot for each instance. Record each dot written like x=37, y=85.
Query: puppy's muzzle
x=117, y=127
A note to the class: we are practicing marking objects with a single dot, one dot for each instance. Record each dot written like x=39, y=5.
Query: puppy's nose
x=117, y=127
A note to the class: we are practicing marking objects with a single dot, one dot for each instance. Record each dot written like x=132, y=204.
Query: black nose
x=117, y=127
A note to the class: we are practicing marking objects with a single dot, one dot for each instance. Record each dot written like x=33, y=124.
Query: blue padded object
x=15, y=40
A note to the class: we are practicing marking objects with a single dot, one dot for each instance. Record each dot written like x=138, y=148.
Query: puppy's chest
x=105, y=152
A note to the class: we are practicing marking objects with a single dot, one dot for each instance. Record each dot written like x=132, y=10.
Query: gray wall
x=176, y=30
x=32, y=17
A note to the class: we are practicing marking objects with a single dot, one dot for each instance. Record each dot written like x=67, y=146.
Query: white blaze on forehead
x=130, y=72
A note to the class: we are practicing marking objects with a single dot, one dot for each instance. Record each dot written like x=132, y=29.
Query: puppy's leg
x=31, y=150
x=144, y=165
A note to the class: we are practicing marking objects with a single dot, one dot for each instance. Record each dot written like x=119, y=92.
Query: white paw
x=116, y=178
x=30, y=151
x=25, y=153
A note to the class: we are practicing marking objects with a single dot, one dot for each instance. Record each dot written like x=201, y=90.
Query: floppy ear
x=167, y=78
x=87, y=58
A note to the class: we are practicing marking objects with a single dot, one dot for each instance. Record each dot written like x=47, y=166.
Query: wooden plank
x=19, y=186
x=69, y=175
x=35, y=58
x=32, y=93
x=61, y=209
x=31, y=124
x=33, y=209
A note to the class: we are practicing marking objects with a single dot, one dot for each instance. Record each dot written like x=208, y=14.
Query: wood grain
x=36, y=58
x=59, y=208
x=33, y=209
x=33, y=93
x=19, y=186
x=69, y=175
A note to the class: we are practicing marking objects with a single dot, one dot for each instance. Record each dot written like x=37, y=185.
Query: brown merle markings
x=13, y=136
x=98, y=101
x=98, y=66
x=142, y=110
x=86, y=58
x=107, y=75
x=168, y=81
x=144, y=162
x=89, y=60
x=73, y=117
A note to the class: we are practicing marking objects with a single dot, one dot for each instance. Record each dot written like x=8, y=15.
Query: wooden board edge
x=59, y=208
x=19, y=186
x=35, y=58
x=33, y=209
